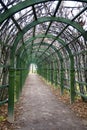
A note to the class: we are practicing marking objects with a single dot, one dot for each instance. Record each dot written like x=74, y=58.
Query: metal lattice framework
x=51, y=34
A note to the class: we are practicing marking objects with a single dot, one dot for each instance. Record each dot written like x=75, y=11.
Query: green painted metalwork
x=50, y=36
x=11, y=94
x=56, y=71
x=74, y=24
x=85, y=97
x=22, y=5
x=51, y=72
x=41, y=20
x=46, y=44
x=3, y=102
x=4, y=86
x=37, y=44
x=18, y=84
x=21, y=57
x=46, y=19
x=72, y=63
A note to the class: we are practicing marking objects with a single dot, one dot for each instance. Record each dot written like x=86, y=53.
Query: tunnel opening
x=33, y=68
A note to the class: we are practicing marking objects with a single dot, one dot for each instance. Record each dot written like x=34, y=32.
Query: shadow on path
x=42, y=111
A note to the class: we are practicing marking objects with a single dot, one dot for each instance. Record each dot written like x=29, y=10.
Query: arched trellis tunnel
x=51, y=34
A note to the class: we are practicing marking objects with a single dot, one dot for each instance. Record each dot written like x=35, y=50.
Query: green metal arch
x=46, y=19
x=48, y=36
x=71, y=59
x=46, y=53
x=37, y=44
x=27, y=3
x=61, y=42
x=22, y=5
x=22, y=52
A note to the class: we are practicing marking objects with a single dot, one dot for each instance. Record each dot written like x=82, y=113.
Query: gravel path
x=42, y=111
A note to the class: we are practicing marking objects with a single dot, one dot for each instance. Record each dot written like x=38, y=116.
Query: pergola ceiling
x=58, y=23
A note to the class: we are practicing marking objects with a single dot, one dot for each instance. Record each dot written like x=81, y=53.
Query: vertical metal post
x=17, y=84
x=51, y=72
x=55, y=75
x=48, y=72
x=72, y=80
x=21, y=77
x=61, y=77
x=11, y=95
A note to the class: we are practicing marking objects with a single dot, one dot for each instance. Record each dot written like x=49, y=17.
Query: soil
x=41, y=108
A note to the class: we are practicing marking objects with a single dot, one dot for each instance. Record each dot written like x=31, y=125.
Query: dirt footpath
x=40, y=110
